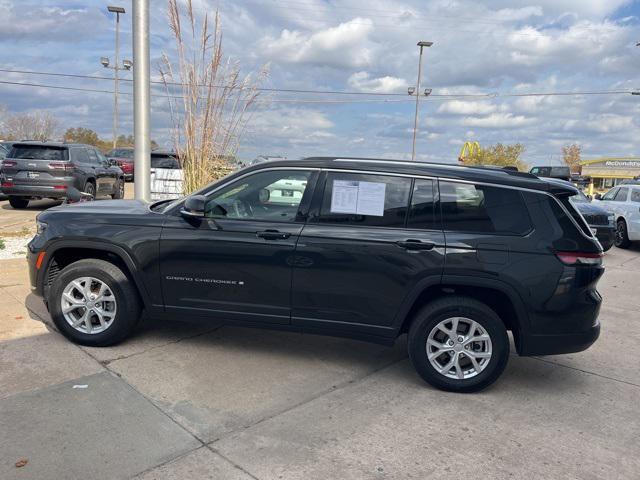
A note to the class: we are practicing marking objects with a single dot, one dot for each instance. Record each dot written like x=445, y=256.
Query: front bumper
x=605, y=235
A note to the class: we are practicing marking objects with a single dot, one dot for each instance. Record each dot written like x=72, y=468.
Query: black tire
x=456, y=306
x=118, y=190
x=90, y=188
x=622, y=237
x=128, y=306
x=19, y=202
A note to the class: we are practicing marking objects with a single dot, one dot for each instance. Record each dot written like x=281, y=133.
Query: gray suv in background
x=34, y=170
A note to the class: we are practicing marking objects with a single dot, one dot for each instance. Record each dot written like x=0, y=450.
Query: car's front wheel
x=622, y=236
x=118, y=192
x=458, y=344
x=19, y=202
x=90, y=189
x=92, y=302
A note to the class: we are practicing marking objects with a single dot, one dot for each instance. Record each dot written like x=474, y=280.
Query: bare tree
x=212, y=107
x=571, y=156
x=37, y=125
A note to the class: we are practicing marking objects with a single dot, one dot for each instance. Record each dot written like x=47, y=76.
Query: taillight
x=579, y=258
x=66, y=166
x=9, y=163
x=7, y=184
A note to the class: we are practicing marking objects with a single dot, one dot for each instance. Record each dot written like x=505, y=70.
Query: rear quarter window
x=37, y=152
x=483, y=209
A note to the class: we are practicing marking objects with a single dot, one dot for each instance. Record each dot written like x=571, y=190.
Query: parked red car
x=123, y=157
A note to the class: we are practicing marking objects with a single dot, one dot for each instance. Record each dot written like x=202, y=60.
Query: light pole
x=116, y=68
x=417, y=91
x=141, y=100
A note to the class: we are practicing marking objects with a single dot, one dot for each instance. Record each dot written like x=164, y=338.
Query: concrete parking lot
x=210, y=401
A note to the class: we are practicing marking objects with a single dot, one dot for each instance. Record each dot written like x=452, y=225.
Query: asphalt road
x=184, y=401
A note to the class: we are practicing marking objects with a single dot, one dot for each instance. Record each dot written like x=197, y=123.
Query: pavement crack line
x=584, y=371
x=235, y=465
x=172, y=342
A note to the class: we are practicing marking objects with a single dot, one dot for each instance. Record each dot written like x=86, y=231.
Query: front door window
x=273, y=195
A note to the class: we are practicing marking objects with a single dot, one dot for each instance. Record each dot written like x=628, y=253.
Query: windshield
x=580, y=197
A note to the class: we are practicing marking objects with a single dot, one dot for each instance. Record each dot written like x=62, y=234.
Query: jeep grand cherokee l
x=33, y=170
x=454, y=256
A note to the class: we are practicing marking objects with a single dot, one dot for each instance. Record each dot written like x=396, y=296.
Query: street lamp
x=105, y=63
x=417, y=90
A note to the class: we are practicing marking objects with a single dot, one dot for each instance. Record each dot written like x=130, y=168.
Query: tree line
x=43, y=126
x=510, y=155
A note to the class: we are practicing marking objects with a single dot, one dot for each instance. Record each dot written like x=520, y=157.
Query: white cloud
x=462, y=107
x=387, y=84
x=498, y=120
x=343, y=46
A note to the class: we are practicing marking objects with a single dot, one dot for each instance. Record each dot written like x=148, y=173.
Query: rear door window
x=93, y=157
x=38, y=152
x=483, y=209
x=635, y=195
x=365, y=200
x=80, y=155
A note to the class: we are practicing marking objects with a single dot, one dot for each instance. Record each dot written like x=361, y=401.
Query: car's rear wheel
x=90, y=188
x=92, y=302
x=458, y=344
x=19, y=202
x=118, y=192
x=622, y=236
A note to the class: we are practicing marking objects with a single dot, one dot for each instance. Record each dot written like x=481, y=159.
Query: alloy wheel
x=459, y=348
x=620, y=233
x=88, y=305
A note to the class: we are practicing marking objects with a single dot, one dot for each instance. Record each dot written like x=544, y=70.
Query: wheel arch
x=63, y=253
x=501, y=298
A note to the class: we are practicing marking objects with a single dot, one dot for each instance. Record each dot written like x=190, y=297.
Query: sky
x=493, y=48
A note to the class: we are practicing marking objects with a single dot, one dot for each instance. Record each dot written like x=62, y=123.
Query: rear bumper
x=557, y=344
x=38, y=191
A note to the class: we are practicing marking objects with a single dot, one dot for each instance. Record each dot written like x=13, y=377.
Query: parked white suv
x=624, y=202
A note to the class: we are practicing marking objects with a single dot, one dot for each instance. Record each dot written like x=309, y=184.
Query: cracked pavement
x=180, y=400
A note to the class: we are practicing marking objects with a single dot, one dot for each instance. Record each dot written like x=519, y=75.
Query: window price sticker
x=359, y=198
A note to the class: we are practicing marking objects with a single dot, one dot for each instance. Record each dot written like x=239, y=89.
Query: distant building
x=608, y=172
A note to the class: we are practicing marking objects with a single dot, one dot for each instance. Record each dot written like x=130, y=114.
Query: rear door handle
x=412, y=244
x=273, y=235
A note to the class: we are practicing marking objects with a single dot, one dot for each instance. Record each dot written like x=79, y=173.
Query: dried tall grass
x=213, y=103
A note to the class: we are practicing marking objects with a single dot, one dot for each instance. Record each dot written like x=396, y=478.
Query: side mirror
x=112, y=162
x=194, y=206
x=597, y=196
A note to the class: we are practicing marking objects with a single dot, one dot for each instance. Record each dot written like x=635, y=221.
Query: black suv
x=33, y=170
x=369, y=249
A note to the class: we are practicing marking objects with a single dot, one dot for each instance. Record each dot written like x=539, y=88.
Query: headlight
x=612, y=218
x=41, y=227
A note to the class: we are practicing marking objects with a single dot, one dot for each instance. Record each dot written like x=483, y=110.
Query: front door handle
x=412, y=244
x=273, y=235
